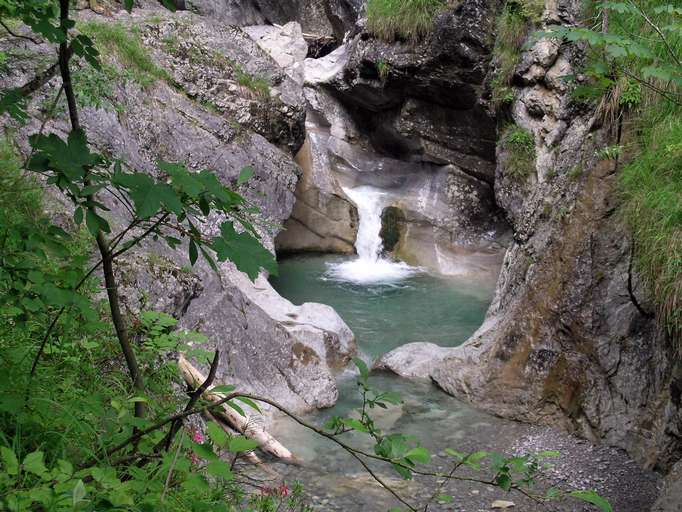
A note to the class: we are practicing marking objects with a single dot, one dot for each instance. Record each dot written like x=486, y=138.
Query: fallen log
x=242, y=424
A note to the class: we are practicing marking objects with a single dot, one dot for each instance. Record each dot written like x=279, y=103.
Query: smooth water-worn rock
x=285, y=45
x=267, y=345
x=413, y=360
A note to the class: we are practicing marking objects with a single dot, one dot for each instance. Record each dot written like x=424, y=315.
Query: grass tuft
x=519, y=146
x=652, y=191
x=514, y=23
x=127, y=46
x=256, y=83
x=409, y=20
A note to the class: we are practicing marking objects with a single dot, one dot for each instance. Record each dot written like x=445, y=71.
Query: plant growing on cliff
x=634, y=71
x=407, y=20
x=518, y=145
x=513, y=25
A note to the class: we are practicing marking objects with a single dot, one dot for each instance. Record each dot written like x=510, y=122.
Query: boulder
x=413, y=360
x=285, y=45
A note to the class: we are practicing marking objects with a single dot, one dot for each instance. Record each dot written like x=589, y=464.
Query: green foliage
x=3, y=61
x=126, y=44
x=383, y=69
x=652, y=188
x=258, y=84
x=636, y=67
x=519, y=146
x=88, y=405
x=95, y=87
x=409, y=20
x=641, y=49
x=513, y=26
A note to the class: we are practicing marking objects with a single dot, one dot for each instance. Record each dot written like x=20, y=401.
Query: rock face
x=565, y=342
x=320, y=17
x=425, y=102
x=208, y=120
x=671, y=496
x=388, y=130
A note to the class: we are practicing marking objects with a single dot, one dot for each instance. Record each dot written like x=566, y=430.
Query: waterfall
x=369, y=267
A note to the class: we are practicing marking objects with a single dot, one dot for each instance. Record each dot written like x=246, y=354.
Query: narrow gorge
x=457, y=235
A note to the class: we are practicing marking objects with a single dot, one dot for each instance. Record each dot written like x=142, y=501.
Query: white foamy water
x=370, y=267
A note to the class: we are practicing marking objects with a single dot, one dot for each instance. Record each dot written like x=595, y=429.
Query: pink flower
x=283, y=490
x=197, y=436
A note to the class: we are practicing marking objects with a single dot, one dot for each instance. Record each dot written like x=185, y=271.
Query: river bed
x=387, y=304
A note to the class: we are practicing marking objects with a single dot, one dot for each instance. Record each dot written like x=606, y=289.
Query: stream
x=387, y=304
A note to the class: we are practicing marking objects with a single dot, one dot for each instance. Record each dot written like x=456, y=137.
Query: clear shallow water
x=385, y=315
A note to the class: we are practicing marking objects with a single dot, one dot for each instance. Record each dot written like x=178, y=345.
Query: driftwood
x=244, y=425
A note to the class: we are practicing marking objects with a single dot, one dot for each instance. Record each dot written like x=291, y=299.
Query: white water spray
x=370, y=267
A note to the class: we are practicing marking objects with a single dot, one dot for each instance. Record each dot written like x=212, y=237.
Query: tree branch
x=193, y=399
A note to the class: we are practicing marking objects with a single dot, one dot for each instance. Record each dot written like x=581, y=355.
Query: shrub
x=408, y=20
x=519, y=144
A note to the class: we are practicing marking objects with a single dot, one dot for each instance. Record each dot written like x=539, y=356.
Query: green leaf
x=236, y=408
x=128, y=4
x=472, y=460
x=71, y=159
x=193, y=252
x=241, y=444
x=504, y=481
x=78, y=216
x=362, y=368
x=419, y=455
x=354, y=424
x=9, y=460
x=454, y=453
x=248, y=402
x=96, y=223
x=14, y=103
x=78, y=493
x=247, y=253
x=593, y=498
x=245, y=175
x=402, y=471
x=217, y=434
x=220, y=469
x=223, y=388
x=33, y=463
x=169, y=4
x=445, y=498
x=204, y=451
